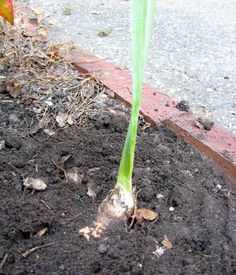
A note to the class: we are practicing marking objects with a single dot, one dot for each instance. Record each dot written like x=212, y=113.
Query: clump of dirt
x=207, y=124
x=183, y=105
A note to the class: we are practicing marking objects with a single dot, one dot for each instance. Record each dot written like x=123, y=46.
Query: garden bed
x=200, y=225
x=40, y=230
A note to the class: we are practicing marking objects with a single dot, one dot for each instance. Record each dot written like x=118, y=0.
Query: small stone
x=48, y=102
x=62, y=267
x=13, y=118
x=102, y=248
x=159, y=196
x=2, y=144
x=171, y=209
x=183, y=105
x=2, y=67
x=206, y=123
x=13, y=142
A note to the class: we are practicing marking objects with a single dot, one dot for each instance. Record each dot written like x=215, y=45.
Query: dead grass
x=34, y=72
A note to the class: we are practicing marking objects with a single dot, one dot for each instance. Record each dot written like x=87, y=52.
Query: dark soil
x=201, y=225
x=183, y=105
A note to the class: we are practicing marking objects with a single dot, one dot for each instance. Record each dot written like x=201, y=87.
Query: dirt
x=207, y=124
x=196, y=209
x=183, y=105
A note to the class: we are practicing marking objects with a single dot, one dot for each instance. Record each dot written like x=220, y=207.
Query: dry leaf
x=91, y=193
x=145, y=214
x=166, y=242
x=36, y=184
x=74, y=175
x=42, y=232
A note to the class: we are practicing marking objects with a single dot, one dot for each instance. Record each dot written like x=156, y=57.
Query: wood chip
x=167, y=243
x=145, y=214
x=42, y=231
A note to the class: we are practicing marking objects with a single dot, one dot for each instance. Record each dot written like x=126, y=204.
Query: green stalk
x=142, y=12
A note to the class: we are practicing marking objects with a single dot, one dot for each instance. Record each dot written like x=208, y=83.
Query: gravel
x=193, y=50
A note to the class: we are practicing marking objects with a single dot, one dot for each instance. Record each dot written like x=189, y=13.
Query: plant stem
x=142, y=12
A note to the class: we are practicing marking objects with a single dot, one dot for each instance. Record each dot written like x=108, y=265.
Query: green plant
x=6, y=10
x=142, y=12
x=121, y=201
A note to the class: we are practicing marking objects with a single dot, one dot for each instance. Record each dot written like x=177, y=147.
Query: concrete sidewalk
x=193, y=50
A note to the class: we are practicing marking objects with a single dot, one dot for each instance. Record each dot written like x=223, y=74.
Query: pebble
x=183, y=105
x=171, y=209
x=159, y=196
x=102, y=248
x=206, y=123
x=13, y=118
x=2, y=144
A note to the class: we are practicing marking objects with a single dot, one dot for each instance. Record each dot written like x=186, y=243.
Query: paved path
x=193, y=55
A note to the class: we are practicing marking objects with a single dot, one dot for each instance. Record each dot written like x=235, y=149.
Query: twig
x=3, y=261
x=44, y=203
x=135, y=207
x=28, y=252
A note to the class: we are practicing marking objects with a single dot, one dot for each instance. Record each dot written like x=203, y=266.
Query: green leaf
x=142, y=13
x=6, y=10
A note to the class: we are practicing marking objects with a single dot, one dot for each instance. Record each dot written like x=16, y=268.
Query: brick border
x=218, y=144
